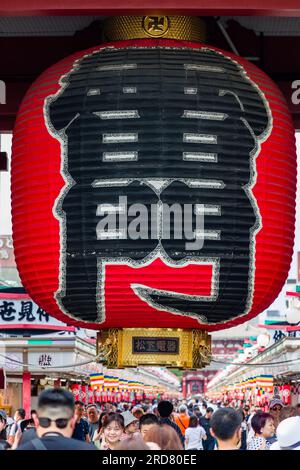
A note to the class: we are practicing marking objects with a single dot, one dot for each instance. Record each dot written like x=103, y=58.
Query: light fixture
x=293, y=311
x=263, y=339
x=293, y=315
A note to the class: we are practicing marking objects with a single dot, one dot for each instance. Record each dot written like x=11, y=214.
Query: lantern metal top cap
x=185, y=28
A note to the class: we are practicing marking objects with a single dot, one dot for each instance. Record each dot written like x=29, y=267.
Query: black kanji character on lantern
x=26, y=311
x=191, y=120
x=7, y=311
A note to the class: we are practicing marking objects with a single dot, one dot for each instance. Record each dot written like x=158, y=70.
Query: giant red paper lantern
x=160, y=122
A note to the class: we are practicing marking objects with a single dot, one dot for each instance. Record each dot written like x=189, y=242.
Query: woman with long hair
x=97, y=437
x=164, y=436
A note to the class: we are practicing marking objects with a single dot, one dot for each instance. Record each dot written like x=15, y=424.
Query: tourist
x=194, y=435
x=182, y=419
x=18, y=418
x=131, y=423
x=197, y=411
x=97, y=437
x=226, y=428
x=81, y=431
x=288, y=435
x=134, y=443
x=165, y=410
x=113, y=431
x=93, y=415
x=275, y=407
x=4, y=445
x=137, y=413
x=287, y=412
x=243, y=443
x=146, y=422
x=55, y=423
x=204, y=421
x=264, y=428
x=28, y=429
x=164, y=436
x=190, y=408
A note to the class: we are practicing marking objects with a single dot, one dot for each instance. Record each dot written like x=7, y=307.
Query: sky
x=6, y=227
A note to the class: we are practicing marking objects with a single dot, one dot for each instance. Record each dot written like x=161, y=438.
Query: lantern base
x=168, y=347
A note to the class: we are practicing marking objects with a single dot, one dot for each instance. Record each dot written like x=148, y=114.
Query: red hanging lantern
x=286, y=394
x=158, y=122
x=76, y=391
x=91, y=398
x=84, y=394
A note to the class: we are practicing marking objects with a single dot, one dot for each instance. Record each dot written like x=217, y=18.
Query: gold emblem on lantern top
x=184, y=28
x=156, y=26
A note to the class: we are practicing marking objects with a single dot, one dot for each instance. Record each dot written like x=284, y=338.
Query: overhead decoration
x=153, y=186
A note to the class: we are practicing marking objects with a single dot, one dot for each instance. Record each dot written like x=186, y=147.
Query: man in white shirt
x=18, y=417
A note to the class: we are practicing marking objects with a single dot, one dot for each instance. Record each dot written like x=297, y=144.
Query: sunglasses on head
x=59, y=422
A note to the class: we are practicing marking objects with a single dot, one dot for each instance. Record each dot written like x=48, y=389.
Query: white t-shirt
x=251, y=432
x=14, y=428
x=193, y=438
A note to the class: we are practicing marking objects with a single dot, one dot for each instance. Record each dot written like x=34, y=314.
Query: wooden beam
x=117, y=7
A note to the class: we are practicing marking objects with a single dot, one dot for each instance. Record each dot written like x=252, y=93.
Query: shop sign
x=155, y=345
x=279, y=334
x=18, y=312
x=45, y=359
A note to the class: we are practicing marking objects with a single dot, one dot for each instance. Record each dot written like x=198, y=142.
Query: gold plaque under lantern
x=168, y=347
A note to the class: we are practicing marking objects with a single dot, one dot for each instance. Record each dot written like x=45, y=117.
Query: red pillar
x=27, y=393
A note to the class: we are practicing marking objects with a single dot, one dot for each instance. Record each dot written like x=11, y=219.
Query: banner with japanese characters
x=24, y=311
x=44, y=359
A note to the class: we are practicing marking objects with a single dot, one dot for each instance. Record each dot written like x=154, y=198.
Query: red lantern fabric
x=91, y=399
x=85, y=394
x=38, y=181
x=76, y=391
x=285, y=393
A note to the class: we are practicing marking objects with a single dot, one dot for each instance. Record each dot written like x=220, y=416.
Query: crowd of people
x=60, y=423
